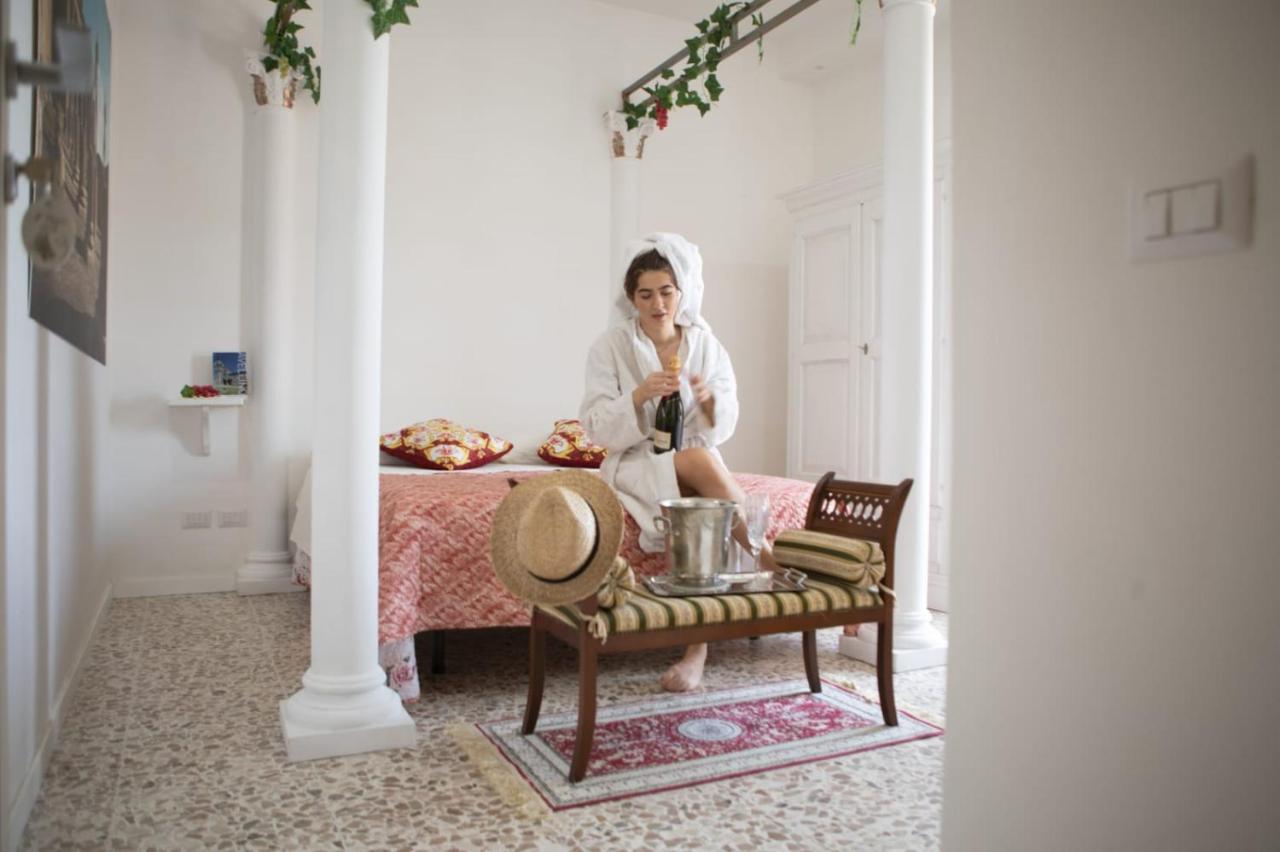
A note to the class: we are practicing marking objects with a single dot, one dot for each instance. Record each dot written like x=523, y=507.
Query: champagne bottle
x=668, y=423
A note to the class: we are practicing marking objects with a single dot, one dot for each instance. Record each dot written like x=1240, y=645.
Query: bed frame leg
x=537, y=674
x=586, y=709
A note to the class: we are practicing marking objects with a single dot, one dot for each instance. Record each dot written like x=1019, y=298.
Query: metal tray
x=790, y=580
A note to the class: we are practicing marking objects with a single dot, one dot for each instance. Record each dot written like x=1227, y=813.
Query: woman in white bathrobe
x=656, y=316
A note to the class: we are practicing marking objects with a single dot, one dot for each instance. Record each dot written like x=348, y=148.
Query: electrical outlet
x=233, y=518
x=197, y=520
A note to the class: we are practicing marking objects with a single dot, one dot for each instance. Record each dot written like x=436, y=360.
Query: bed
x=434, y=571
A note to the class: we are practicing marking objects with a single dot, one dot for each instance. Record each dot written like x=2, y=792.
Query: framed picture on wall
x=73, y=128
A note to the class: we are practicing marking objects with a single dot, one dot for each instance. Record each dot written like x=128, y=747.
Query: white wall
x=1114, y=639
x=183, y=132
x=54, y=440
x=848, y=104
x=498, y=212
x=497, y=238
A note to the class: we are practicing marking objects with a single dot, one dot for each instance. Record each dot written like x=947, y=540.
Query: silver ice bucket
x=697, y=530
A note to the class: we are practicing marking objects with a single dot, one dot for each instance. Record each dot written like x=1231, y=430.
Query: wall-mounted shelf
x=204, y=404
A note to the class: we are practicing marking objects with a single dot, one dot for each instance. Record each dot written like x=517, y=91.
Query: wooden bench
x=858, y=510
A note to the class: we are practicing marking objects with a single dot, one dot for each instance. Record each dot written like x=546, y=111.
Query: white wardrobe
x=833, y=346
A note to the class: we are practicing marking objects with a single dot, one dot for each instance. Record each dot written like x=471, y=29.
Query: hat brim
x=518, y=577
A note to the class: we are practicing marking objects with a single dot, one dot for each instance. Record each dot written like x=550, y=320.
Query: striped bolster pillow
x=850, y=559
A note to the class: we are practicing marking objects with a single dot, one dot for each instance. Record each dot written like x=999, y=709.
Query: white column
x=624, y=186
x=907, y=325
x=266, y=568
x=344, y=706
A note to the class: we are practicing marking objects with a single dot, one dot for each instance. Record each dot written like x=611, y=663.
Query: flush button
x=1155, y=215
x=1174, y=214
x=1195, y=208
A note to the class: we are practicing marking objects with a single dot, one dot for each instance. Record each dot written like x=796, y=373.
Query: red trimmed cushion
x=443, y=445
x=569, y=446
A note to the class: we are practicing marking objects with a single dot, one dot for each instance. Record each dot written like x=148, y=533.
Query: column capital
x=271, y=88
x=628, y=142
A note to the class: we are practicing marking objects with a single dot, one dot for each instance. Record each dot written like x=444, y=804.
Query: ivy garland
x=715, y=32
x=285, y=54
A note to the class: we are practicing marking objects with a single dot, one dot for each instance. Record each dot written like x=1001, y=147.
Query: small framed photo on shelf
x=230, y=373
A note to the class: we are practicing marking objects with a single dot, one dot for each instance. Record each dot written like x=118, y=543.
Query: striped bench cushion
x=646, y=611
x=853, y=560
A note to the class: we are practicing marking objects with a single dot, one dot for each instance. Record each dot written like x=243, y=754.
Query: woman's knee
x=694, y=463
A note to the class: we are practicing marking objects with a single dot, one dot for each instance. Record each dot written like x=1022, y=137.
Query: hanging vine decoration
x=388, y=13
x=857, y=22
x=714, y=33
x=286, y=54
x=678, y=89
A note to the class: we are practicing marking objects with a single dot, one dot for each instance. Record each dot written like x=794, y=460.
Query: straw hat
x=556, y=536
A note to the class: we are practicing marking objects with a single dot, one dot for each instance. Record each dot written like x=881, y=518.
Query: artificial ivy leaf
x=713, y=87
x=270, y=63
x=703, y=108
x=668, y=74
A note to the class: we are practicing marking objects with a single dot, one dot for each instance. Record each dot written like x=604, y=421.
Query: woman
x=655, y=317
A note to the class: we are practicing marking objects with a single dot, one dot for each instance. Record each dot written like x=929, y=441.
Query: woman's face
x=656, y=299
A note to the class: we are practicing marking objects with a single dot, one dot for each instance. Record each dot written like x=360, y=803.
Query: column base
x=922, y=647
x=266, y=574
x=308, y=735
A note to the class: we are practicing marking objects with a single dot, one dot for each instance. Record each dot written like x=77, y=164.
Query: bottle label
x=662, y=440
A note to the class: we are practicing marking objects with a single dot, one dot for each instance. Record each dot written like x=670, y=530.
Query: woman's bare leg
x=702, y=474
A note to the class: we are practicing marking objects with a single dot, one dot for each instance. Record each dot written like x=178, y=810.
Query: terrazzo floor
x=172, y=741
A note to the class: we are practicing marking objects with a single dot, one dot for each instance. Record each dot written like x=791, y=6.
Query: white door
x=834, y=348
x=867, y=349
x=832, y=376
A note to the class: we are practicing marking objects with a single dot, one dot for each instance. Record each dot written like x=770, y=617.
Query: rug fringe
x=923, y=715
x=500, y=775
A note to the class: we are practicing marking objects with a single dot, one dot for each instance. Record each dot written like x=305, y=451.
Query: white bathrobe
x=620, y=360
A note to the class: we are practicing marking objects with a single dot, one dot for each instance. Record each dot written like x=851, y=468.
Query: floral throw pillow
x=569, y=446
x=443, y=445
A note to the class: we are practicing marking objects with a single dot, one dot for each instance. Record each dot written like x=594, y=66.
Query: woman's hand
x=705, y=399
x=655, y=385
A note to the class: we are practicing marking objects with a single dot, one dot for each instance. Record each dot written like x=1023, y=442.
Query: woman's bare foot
x=851, y=630
x=685, y=675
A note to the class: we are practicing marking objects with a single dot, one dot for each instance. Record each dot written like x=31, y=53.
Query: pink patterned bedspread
x=435, y=572
x=434, y=569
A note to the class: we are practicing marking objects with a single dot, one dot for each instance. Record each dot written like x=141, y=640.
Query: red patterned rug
x=677, y=741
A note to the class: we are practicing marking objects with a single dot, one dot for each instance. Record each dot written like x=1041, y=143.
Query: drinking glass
x=756, y=509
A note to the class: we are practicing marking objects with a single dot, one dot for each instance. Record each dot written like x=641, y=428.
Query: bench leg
x=884, y=668
x=537, y=674
x=586, y=709
x=809, y=639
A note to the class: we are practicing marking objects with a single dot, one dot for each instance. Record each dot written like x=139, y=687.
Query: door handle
x=866, y=349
